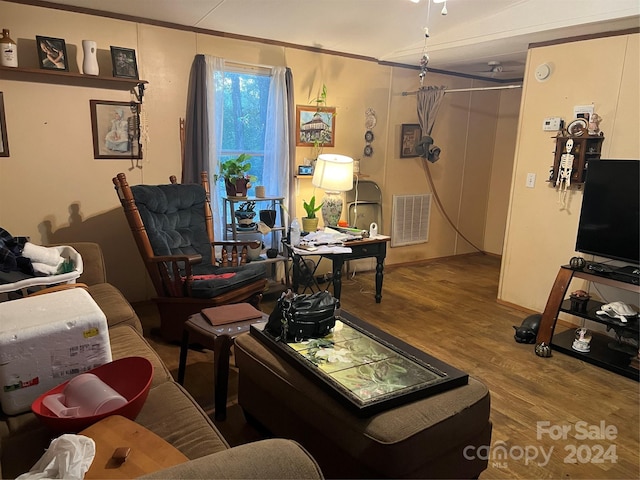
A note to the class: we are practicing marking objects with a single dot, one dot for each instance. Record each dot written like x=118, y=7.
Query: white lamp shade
x=333, y=173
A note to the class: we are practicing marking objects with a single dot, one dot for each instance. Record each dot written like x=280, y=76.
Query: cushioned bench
x=436, y=437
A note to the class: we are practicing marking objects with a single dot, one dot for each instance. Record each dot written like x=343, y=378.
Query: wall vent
x=410, y=219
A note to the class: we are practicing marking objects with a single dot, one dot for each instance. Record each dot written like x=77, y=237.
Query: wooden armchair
x=173, y=229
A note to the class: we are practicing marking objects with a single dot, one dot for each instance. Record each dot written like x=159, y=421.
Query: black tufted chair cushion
x=173, y=216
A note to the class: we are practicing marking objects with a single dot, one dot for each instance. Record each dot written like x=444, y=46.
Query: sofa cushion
x=126, y=341
x=273, y=458
x=115, y=307
x=173, y=414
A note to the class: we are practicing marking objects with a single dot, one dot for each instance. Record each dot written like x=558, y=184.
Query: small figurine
x=582, y=343
x=528, y=330
x=594, y=124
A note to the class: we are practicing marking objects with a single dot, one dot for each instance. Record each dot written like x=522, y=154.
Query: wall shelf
x=69, y=78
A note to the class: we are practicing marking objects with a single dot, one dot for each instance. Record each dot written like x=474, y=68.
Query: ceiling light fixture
x=444, y=9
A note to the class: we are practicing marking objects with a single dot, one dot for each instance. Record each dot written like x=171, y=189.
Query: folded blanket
x=42, y=255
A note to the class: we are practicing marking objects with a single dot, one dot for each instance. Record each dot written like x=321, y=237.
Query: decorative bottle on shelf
x=90, y=61
x=8, y=50
x=295, y=233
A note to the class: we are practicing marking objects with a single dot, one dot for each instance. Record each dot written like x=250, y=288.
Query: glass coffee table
x=365, y=368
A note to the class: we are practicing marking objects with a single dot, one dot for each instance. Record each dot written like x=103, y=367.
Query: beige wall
x=540, y=233
x=53, y=190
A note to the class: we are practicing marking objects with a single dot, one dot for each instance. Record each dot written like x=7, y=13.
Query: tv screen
x=610, y=220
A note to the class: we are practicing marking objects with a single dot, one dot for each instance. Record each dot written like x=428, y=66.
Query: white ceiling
x=473, y=33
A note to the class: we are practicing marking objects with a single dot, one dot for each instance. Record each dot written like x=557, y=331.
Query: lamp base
x=331, y=208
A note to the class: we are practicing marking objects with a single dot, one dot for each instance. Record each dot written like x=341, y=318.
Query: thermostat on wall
x=552, y=124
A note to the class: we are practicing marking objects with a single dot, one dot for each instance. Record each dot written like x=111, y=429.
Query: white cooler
x=46, y=340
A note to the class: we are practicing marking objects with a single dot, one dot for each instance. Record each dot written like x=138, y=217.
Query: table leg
x=379, y=276
x=550, y=314
x=338, y=262
x=221, y=352
x=184, y=348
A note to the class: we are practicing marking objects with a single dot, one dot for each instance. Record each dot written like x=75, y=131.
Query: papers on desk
x=328, y=236
x=322, y=250
x=323, y=242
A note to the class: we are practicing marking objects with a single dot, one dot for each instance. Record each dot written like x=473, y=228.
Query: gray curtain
x=291, y=113
x=429, y=99
x=196, y=148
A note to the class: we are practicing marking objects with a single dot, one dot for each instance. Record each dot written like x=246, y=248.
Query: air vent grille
x=410, y=220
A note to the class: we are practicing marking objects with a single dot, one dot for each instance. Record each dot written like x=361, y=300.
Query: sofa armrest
x=273, y=458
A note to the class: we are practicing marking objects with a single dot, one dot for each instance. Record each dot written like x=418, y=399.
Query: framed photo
x=116, y=129
x=411, y=134
x=4, y=144
x=52, y=53
x=124, y=62
x=315, y=126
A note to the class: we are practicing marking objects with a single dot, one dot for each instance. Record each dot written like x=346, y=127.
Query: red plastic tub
x=130, y=377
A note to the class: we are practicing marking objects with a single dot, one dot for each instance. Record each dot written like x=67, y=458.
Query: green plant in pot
x=310, y=222
x=234, y=172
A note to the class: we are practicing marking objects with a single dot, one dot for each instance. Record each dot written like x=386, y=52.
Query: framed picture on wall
x=116, y=129
x=315, y=126
x=52, y=53
x=411, y=134
x=4, y=144
x=124, y=62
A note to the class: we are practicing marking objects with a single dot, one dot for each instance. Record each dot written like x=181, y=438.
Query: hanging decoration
x=370, y=122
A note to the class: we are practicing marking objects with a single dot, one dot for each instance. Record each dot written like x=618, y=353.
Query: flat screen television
x=610, y=217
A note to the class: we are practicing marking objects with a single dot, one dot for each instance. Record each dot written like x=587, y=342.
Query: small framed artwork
x=124, y=62
x=4, y=144
x=411, y=134
x=52, y=53
x=116, y=129
x=315, y=126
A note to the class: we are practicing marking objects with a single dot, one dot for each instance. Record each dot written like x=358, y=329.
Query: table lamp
x=334, y=174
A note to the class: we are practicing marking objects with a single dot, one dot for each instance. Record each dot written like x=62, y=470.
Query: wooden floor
x=448, y=308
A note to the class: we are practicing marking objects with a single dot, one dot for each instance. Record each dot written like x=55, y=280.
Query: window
x=246, y=96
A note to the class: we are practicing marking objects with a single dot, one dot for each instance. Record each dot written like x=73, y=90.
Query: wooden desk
x=365, y=248
x=149, y=453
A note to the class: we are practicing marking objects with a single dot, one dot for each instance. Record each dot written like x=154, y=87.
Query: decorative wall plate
x=368, y=136
x=577, y=127
x=368, y=151
x=370, y=118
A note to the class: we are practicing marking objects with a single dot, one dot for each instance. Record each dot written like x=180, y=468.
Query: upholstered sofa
x=169, y=410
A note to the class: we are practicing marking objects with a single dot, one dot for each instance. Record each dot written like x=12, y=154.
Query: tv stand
x=601, y=354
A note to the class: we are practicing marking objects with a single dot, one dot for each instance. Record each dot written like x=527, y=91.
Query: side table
x=149, y=453
x=219, y=339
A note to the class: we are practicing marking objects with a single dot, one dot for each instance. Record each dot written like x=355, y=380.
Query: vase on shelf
x=8, y=50
x=90, y=61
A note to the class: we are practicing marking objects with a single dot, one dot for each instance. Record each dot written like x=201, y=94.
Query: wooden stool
x=218, y=338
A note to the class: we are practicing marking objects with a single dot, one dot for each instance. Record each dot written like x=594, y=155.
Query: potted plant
x=310, y=222
x=234, y=172
x=324, y=136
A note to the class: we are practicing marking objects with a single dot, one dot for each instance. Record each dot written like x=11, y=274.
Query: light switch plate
x=531, y=180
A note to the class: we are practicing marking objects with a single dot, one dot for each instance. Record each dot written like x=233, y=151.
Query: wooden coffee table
x=149, y=453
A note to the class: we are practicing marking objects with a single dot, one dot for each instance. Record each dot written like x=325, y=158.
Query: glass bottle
x=295, y=233
x=8, y=50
